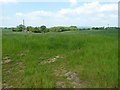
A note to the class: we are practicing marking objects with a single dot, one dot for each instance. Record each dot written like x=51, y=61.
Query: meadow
x=75, y=59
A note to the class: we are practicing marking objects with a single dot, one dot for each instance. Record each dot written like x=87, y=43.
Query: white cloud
x=73, y=2
x=109, y=7
x=19, y=14
x=89, y=8
x=35, y=13
x=101, y=15
x=92, y=14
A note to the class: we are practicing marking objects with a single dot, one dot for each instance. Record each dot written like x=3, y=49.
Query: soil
x=6, y=60
x=51, y=60
x=67, y=79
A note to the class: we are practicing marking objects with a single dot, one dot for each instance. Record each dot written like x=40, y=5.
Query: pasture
x=76, y=59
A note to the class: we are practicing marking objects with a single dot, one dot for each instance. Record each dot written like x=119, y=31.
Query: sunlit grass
x=92, y=54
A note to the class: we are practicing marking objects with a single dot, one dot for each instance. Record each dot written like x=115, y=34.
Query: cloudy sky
x=59, y=13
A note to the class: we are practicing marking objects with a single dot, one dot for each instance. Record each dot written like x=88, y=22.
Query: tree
x=37, y=30
x=73, y=26
x=13, y=29
x=21, y=27
x=29, y=28
x=43, y=28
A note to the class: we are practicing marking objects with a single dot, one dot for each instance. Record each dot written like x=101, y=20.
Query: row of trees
x=103, y=28
x=41, y=29
x=21, y=28
x=61, y=29
x=44, y=29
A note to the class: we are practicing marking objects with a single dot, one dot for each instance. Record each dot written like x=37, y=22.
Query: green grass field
x=46, y=60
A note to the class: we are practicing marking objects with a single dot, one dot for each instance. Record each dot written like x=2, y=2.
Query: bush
x=98, y=28
x=20, y=27
x=59, y=29
x=36, y=30
x=43, y=28
x=30, y=28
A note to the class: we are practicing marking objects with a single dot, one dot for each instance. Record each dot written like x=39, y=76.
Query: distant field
x=78, y=59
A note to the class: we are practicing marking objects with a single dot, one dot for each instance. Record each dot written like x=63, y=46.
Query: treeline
x=103, y=28
x=44, y=29
x=62, y=29
x=21, y=28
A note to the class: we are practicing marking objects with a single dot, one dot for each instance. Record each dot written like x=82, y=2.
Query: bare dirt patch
x=21, y=66
x=5, y=85
x=6, y=60
x=51, y=60
x=67, y=79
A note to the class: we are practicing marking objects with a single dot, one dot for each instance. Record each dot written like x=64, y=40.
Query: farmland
x=75, y=59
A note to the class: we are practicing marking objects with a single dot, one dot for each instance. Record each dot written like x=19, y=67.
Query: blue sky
x=64, y=13
x=33, y=6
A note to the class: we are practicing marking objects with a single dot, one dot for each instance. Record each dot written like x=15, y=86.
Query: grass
x=92, y=54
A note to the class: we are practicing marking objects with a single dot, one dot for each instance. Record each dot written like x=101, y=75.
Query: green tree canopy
x=43, y=28
x=29, y=28
x=21, y=27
